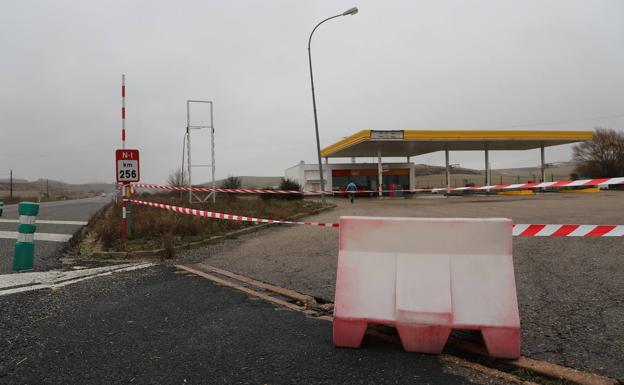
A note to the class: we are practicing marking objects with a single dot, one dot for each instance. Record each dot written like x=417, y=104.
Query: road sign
x=127, y=166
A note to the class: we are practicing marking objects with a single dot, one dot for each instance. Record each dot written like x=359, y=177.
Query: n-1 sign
x=127, y=162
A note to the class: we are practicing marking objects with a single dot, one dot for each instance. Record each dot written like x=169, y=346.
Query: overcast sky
x=395, y=65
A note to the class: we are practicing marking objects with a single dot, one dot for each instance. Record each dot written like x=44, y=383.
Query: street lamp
x=350, y=11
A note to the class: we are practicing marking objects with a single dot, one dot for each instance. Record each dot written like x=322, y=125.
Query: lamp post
x=350, y=11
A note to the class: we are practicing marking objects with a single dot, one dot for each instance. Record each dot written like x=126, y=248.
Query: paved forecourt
x=568, y=288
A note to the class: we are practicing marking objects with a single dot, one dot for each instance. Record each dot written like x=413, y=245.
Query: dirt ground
x=570, y=290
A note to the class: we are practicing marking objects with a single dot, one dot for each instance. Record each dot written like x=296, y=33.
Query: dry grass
x=158, y=228
x=17, y=199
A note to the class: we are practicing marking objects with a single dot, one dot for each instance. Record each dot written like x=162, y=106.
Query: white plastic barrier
x=427, y=276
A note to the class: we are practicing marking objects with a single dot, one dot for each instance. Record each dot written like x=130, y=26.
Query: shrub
x=266, y=197
x=289, y=184
x=231, y=182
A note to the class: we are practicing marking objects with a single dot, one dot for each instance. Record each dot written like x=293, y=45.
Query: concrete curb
x=156, y=253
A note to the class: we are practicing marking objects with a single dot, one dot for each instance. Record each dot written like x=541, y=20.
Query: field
x=44, y=191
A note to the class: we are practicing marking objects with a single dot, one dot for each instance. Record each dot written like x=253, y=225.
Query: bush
x=231, y=182
x=602, y=157
x=289, y=184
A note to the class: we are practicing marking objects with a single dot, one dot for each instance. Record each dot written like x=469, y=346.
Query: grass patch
x=154, y=228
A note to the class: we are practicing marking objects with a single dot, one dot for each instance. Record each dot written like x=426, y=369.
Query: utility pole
x=11, y=185
x=48, y=188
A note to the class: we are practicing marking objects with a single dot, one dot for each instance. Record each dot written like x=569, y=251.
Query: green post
x=24, y=255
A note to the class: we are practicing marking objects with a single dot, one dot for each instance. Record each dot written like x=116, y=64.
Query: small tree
x=602, y=157
x=231, y=182
x=177, y=178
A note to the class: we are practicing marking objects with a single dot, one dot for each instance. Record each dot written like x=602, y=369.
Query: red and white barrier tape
x=522, y=230
x=231, y=217
x=519, y=230
x=222, y=190
x=566, y=183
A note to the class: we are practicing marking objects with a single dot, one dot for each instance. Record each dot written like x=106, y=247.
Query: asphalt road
x=156, y=326
x=570, y=290
x=46, y=252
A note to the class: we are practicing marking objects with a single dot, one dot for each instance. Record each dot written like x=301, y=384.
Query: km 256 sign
x=127, y=162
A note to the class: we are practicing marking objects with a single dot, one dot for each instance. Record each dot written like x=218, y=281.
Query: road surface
x=157, y=326
x=56, y=220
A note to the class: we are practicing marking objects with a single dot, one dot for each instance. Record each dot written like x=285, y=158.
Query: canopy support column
x=487, y=166
x=379, y=173
x=543, y=165
x=448, y=168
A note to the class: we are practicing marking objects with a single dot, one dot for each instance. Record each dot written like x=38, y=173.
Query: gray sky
x=395, y=65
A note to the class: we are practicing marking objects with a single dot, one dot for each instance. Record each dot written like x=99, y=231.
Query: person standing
x=351, y=189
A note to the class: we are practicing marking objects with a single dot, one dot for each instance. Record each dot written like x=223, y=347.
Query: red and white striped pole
x=124, y=188
x=123, y=111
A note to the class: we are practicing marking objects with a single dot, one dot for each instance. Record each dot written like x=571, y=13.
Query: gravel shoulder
x=570, y=290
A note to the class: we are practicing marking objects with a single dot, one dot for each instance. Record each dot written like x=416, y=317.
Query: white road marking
x=38, y=236
x=48, y=222
x=19, y=283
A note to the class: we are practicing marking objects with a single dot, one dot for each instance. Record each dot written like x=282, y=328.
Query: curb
x=192, y=245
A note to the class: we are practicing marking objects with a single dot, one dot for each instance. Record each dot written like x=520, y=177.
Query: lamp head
x=350, y=11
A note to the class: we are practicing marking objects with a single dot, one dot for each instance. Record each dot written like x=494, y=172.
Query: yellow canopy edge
x=363, y=140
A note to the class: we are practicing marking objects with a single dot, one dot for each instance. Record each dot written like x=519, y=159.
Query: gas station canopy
x=403, y=143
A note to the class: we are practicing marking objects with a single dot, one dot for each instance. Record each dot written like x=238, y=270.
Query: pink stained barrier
x=427, y=276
